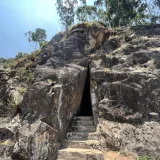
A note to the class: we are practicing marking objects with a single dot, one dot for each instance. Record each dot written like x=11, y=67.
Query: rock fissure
x=86, y=106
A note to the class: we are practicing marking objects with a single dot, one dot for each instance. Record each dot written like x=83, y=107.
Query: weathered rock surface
x=126, y=87
x=125, y=94
x=10, y=95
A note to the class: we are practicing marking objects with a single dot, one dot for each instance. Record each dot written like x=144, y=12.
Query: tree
x=39, y=36
x=110, y=12
x=113, y=12
x=123, y=12
x=157, y=2
x=86, y=13
x=81, y=11
x=153, y=10
x=65, y=10
x=101, y=12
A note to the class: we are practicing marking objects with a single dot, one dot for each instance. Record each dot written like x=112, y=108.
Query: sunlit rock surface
x=125, y=93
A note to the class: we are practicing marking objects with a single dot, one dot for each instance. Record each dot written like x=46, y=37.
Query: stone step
x=83, y=118
x=80, y=154
x=88, y=144
x=84, y=128
x=82, y=136
x=77, y=122
x=69, y=159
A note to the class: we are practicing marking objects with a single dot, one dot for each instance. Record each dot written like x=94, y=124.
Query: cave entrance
x=86, y=106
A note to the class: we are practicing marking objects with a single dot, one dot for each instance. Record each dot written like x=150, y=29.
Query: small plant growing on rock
x=25, y=75
x=145, y=158
x=22, y=91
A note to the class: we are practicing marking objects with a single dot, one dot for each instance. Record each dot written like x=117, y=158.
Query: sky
x=20, y=16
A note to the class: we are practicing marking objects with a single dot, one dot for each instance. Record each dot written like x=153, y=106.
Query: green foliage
x=65, y=10
x=113, y=13
x=124, y=12
x=22, y=63
x=42, y=45
x=22, y=91
x=13, y=103
x=39, y=36
x=21, y=54
x=2, y=60
x=24, y=67
x=85, y=13
x=81, y=11
x=11, y=100
x=144, y=158
x=101, y=13
x=25, y=54
x=9, y=63
x=157, y=2
x=153, y=10
x=81, y=14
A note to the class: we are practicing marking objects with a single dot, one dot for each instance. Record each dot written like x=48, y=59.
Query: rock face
x=126, y=87
x=125, y=93
x=10, y=95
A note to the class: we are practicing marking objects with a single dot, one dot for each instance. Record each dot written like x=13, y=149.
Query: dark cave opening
x=86, y=106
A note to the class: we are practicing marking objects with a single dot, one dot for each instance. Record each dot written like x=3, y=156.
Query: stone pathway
x=82, y=142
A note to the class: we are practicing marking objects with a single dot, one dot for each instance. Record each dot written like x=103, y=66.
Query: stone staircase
x=82, y=142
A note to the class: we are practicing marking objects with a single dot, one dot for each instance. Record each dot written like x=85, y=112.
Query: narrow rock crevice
x=86, y=106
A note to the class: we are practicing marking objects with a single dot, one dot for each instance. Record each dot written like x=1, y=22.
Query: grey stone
x=125, y=96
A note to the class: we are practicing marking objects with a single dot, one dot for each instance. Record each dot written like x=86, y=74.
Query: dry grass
x=5, y=143
x=87, y=25
x=112, y=155
x=107, y=69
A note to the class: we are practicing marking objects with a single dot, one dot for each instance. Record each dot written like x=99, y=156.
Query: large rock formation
x=126, y=84
x=125, y=93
